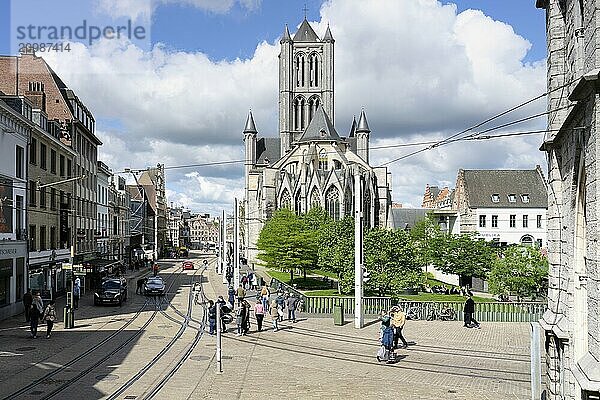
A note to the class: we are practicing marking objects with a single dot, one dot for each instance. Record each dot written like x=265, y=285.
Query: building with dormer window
x=310, y=164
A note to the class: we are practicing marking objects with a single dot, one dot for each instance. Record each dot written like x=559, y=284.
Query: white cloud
x=421, y=70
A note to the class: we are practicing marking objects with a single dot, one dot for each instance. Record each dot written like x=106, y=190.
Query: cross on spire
x=305, y=9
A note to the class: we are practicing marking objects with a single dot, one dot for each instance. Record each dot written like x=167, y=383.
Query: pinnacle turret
x=363, y=126
x=250, y=126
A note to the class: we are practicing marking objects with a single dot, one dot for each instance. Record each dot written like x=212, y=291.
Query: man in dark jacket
x=212, y=317
x=469, y=311
x=27, y=301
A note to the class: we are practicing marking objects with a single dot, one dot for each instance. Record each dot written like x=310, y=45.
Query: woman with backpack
x=49, y=317
x=386, y=352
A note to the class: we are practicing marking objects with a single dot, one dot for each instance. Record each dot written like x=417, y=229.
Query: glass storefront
x=6, y=267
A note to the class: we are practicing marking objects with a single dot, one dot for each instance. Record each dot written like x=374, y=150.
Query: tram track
x=184, y=324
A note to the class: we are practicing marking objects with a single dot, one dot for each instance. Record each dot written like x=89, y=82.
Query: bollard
x=69, y=317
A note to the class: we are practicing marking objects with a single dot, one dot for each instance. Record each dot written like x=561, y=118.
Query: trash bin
x=68, y=317
x=338, y=314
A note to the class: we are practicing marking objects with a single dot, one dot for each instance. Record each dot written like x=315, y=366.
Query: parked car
x=188, y=265
x=154, y=286
x=111, y=291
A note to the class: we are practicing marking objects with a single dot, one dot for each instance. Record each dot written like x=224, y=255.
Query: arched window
x=332, y=203
x=337, y=164
x=300, y=69
x=299, y=113
x=315, y=70
x=527, y=240
x=286, y=200
x=323, y=160
x=315, y=198
x=313, y=104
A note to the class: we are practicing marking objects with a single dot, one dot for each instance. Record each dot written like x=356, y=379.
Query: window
x=494, y=221
x=512, y=198
x=5, y=278
x=53, y=161
x=43, y=197
x=513, y=221
x=527, y=240
x=69, y=171
x=43, y=156
x=539, y=222
x=32, y=194
x=52, y=199
x=33, y=151
x=19, y=152
x=32, y=241
x=482, y=221
x=61, y=166
x=53, y=238
x=525, y=198
x=43, y=238
x=538, y=243
x=323, y=160
x=525, y=221
x=332, y=203
x=495, y=198
x=19, y=216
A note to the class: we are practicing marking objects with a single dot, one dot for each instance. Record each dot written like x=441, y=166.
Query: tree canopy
x=463, y=255
x=522, y=270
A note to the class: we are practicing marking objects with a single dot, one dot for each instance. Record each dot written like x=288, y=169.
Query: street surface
x=312, y=359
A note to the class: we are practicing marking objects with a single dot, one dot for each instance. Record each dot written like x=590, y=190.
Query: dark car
x=112, y=291
x=154, y=286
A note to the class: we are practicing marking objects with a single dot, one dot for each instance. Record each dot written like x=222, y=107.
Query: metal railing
x=484, y=312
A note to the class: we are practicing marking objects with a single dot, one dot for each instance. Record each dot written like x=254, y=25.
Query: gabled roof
x=320, y=128
x=306, y=33
x=480, y=185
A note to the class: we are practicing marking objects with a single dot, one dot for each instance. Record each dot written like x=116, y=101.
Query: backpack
x=34, y=312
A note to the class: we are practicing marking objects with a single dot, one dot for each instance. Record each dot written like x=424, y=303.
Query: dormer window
x=495, y=198
x=525, y=198
x=512, y=198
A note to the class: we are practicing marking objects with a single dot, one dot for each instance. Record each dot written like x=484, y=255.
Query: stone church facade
x=572, y=321
x=309, y=164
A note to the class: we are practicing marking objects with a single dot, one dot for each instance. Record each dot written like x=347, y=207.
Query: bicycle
x=448, y=314
x=413, y=313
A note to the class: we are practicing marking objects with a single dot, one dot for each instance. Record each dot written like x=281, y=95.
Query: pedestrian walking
x=38, y=302
x=76, y=292
x=27, y=301
x=241, y=293
x=469, y=312
x=386, y=334
x=254, y=282
x=154, y=268
x=49, y=316
x=231, y=293
x=265, y=295
x=34, y=319
x=290, y=303
x=280, y=304
x=212, y=317
x=245, y=282
x=224, y=310
x=239, y=319
x=274, y=313
x=259, y=314
x=398, y=321
x=139, y=288
x=246, y=319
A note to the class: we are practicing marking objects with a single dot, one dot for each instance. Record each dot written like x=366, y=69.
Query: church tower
x=305, y=81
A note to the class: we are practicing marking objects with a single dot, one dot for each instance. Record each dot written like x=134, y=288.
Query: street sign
x=67, y=266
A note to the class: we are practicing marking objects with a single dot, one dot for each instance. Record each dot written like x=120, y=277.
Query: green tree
x=390, y=260
x=312, y=223
x=336, y=251
x=522, y=270
x=285, y=244
x=423, y=235
x=462, y=255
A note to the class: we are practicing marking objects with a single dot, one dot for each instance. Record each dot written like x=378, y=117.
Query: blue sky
x=236, y=33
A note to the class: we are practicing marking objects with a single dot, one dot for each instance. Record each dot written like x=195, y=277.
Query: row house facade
x=204, y=231
x=15, y=130
x=119, y=215
x=102, y=222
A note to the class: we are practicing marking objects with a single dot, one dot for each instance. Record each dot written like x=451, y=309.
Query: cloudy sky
x=422, y=69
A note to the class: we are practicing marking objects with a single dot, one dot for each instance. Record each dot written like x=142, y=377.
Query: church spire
x=353, y=127
x=250, y=126
x=363, y=126
x=286, y=38
x=328, y=38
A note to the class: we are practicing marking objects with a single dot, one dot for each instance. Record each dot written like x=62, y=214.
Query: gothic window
x=332, y=203
x=337, y=164
x=315, y=70
x=323, y=160
x=298, y=203
x=315, y=198
x=313, y=104
x=286, y=200
x=300, y=69
x=299, y=113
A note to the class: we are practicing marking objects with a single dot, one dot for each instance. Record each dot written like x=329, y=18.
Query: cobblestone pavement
x=312, y=359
